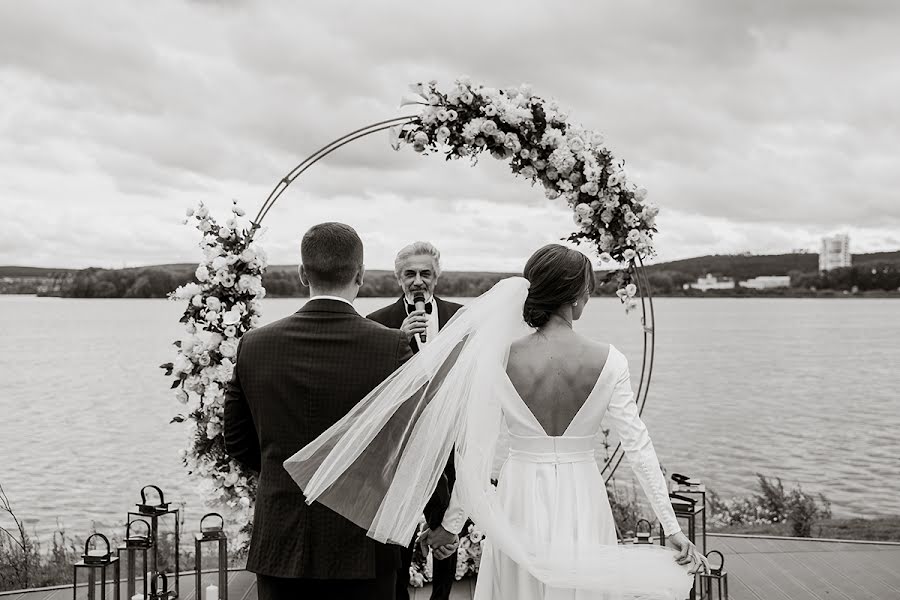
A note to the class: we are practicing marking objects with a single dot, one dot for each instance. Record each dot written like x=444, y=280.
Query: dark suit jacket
x=292, y=380
x=393, y=316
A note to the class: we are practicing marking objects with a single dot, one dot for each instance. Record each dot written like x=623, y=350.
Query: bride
x=509, y=367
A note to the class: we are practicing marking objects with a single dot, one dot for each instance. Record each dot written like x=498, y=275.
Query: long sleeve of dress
x=627, y=423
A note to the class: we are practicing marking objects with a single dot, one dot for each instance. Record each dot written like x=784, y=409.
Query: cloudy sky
x=756, y=126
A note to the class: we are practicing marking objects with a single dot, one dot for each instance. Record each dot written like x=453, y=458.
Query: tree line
x=279, y=281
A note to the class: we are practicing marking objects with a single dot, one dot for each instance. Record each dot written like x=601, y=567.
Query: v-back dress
x=553, y=489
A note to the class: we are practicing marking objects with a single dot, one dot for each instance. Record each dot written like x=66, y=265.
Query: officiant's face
x=418, y=274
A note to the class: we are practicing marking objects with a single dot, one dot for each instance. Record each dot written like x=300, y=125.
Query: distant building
x=767, y=282
x=835, y=252
x=711, y=283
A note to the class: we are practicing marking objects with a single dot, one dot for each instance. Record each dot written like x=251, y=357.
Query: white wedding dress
x=549, y=529
x=553, y=490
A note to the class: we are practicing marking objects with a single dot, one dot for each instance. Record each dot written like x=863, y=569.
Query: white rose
x=205, y=359
x=584, y=210
x=605, y=257
x=230, y=331
x=210, y=316
x=231, y=478
x=228, y=348
x=631, y=290
x=197, y=301
x=213, y=304
x=219, y=263
x=224, y=233
x=227, y=280
x=489, y=127
x=202, y=274
x=245, y=502
x=640, y=194
x=204, y=226
x=238, y=210
x=628, y=255
x=634, y=235
x=212, y=430
x=231, y=317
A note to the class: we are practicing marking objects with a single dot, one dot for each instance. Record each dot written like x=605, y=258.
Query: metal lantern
x=714, y=585
x=155, y=513
x=688, y=509
x=643, y=537
x=97, y=561
x=136, y=549
x=211, y=534
x=694, y=488
x=159, y=587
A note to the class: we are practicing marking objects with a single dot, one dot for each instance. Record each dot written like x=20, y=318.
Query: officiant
x=418, y=268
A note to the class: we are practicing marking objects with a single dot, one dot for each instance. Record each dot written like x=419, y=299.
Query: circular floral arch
x=531, y=134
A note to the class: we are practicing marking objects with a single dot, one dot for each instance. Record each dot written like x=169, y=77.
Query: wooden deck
x=759, y=568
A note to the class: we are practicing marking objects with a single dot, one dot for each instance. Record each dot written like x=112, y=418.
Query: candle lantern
x=643, y=537
x=693, y=488
x=99, y=564
x=136, y=550
x=714, y=585
x=159, y=586
x=688, y=510
x=212, y=533
x=166, y=559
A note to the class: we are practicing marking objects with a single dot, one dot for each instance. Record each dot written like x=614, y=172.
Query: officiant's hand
x=442, y=542
x=415, y=322
x=688, y=553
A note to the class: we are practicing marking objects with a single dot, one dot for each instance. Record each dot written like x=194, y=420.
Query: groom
x=293, y=379
x=417, y=268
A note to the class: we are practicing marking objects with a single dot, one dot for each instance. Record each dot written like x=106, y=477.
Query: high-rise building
x=835, y=252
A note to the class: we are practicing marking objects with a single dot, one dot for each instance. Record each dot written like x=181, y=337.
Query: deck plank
x=758, y=568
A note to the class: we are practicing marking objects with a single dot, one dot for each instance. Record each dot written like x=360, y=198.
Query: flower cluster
x=535, y=137
x=222, y=305
x=468, y=557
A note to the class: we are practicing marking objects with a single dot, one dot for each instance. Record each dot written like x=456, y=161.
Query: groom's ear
x=361, y=275
x=303, y=278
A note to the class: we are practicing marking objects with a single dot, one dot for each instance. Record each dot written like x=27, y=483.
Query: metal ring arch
x=648, y=322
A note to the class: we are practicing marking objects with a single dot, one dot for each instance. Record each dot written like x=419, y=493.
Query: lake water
x=804, y=389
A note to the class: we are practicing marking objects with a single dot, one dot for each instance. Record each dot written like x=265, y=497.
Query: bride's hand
x=688, y=553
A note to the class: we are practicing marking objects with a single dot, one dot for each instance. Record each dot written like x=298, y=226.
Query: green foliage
x=773, y=504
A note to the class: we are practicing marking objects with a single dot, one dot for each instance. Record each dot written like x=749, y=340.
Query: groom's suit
x=292, y=380
x=443, y=571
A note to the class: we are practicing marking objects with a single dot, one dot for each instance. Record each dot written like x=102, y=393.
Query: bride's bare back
x=554, y=373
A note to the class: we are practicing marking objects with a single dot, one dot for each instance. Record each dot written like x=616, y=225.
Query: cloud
x=756, y=127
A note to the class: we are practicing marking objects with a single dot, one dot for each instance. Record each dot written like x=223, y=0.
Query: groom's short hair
x=332, y=254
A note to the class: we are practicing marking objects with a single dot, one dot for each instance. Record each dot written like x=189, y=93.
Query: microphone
x=419, y=302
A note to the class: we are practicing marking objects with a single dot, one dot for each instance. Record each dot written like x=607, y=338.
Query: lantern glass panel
x=165, y=535
x=211, y=559
x=96, y=575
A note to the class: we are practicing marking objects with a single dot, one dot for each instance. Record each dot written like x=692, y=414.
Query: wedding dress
x=554, y=492
x=549, y=527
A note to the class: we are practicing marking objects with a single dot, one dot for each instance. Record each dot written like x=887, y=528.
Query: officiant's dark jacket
x=293, y=379
x=393, y=316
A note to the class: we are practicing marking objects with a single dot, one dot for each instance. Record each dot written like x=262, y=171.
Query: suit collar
x=328, y=305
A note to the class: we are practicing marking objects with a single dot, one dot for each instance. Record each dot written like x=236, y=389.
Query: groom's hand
x=442, y=542
x=415, y=322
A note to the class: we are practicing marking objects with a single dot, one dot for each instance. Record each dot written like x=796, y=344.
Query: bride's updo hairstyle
x=558, y=276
